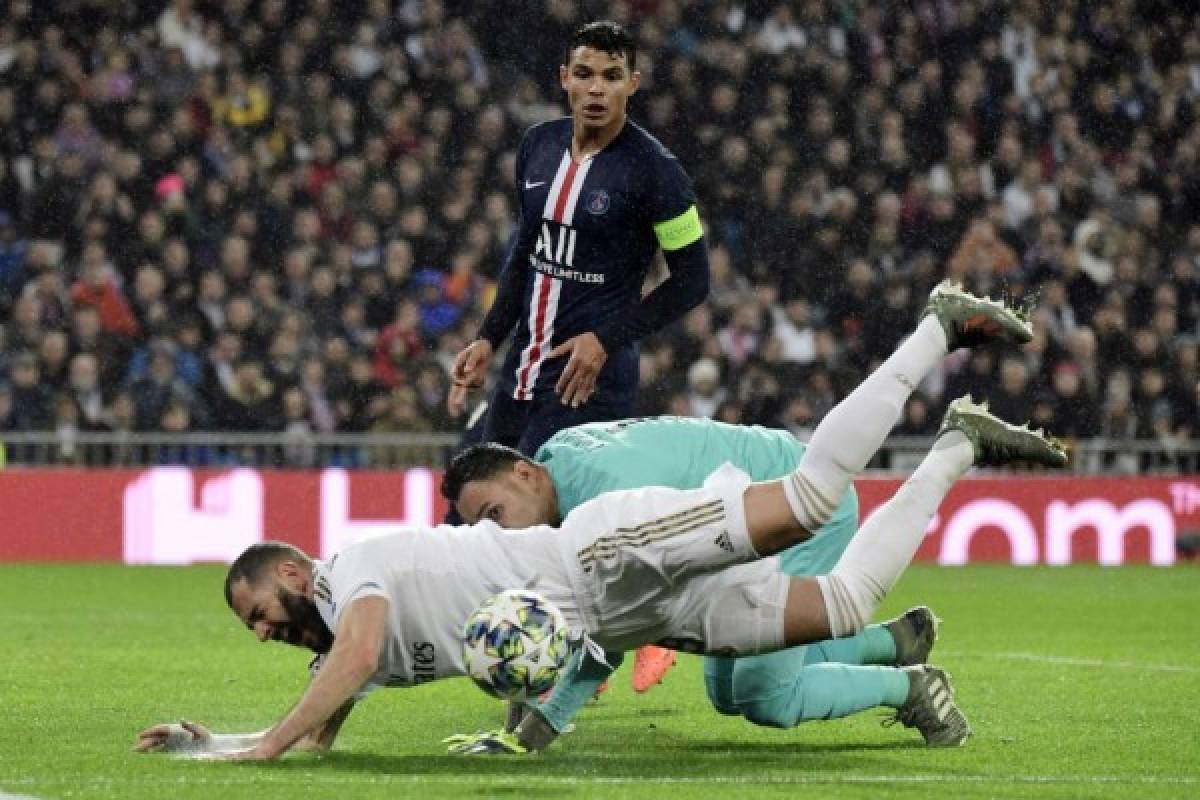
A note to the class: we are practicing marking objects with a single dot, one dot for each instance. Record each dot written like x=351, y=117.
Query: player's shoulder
x=548, y=130
x=646, y=143
x=380, y=544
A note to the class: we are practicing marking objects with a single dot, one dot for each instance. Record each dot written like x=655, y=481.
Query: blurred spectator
x=250, y=403
x=1075, y=413
x=917, y=419
x=981, y=257
x=402, y=414
x=97, y=287
x=159, y=385
x=31, y=408
x=299, y=448
x=705, y=393
x=399, y=344
x=83, y=383
x=1012, y=398
x=13, y=251
x=361, y=397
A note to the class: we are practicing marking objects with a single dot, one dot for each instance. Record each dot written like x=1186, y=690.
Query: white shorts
x=676, y=567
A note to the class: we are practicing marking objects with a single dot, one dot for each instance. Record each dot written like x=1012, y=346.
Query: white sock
x=882, y=549
x=854, y=430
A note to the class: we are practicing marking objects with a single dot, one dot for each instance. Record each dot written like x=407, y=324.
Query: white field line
x=1070, y=661
x=816, y=779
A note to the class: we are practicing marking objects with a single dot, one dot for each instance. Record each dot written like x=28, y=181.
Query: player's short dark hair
x=478, y=463
x=606, y=36
x=255, y=560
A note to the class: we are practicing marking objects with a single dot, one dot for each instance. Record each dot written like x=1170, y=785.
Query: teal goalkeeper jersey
x=680, y=452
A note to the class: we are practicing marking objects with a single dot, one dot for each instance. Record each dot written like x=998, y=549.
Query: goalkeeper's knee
x=720, y=695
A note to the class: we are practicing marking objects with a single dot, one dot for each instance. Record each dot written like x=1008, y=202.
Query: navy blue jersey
x=587, y=235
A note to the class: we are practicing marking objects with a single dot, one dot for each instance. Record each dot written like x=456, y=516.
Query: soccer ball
x=515, y=645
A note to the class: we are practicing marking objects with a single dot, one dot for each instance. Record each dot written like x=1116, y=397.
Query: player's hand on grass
x=175, y=737
x=484, y=743
x=469, y=372
x=578, y=379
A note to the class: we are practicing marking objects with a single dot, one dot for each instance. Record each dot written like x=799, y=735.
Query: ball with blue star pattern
x=516, y=644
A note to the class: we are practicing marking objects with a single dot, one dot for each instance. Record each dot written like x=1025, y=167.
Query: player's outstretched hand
x=484, y=743
x=469, y=372
x=174, y=737
x=578, y=379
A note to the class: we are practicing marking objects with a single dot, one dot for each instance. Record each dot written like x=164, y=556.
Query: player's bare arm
x=190, y=737
x=351, y=662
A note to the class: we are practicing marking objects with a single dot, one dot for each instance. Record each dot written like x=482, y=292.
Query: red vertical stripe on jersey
x=565, y=192
x=538, y=333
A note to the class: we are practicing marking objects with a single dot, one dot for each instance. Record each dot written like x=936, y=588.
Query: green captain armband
x=677, y=233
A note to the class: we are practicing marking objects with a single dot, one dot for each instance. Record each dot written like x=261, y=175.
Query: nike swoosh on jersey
x=534, y=184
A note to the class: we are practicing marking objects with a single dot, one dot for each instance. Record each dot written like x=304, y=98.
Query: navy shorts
x=526, y=424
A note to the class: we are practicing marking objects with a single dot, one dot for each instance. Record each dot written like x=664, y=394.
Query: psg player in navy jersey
x=598, y=196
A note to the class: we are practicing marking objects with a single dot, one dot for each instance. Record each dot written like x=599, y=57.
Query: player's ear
x=520, y=470
x=287, y=568
x=562, y=76
x=523, y=470
x=635, y=80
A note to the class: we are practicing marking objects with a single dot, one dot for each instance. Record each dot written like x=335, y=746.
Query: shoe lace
x=914, y=714
x=914, y=717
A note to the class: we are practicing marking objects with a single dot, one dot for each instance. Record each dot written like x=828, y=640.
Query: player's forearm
x=683, y=290
x=510, y=294
x=333, y=687
x=321, y=738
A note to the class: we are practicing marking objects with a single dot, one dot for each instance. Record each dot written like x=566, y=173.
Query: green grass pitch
x=1079, y=682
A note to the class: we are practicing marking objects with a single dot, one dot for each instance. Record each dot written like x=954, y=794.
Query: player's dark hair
x=606, y=36
x=478, y=463
x=255, y=560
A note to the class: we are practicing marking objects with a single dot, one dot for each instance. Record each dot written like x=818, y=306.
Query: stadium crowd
x=270, y=215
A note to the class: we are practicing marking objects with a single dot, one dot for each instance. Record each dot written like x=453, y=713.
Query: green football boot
x=997, y=442
x=969, y=320
x=930, y=708
x=914, y=632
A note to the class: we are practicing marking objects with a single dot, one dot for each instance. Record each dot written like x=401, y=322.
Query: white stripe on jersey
x=543, y=337
x=559, y=176
x=543, y=306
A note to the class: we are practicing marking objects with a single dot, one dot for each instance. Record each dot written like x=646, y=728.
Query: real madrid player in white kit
x=693, y=569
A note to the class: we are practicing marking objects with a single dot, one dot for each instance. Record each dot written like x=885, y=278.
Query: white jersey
x=433, y=579
x=625, y=569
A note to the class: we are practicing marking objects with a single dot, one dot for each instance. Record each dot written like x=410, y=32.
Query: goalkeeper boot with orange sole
x=969, y=319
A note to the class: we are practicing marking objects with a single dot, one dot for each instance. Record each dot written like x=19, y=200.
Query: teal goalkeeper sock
x=874, y=645
x=576, y=686
x=821, y=691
